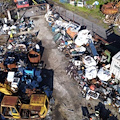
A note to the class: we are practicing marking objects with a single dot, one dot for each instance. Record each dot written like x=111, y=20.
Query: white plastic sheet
x=83, y=37
x=5, y=27
x=13, y=27
x=37, y=46
x=10, y=76
x=89, y=61
x=92, y=94
x=80, y=49
x=91, y=72
x=104, y=74
x=9, y=46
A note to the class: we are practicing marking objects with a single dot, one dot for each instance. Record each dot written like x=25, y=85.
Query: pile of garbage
x=21, y=68
x=111, y=12
x=100, y=112
x=24, y=80
x=10, y=27
x=88, y=63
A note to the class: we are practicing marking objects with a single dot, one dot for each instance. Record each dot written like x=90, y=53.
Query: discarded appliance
x=13, y=80
x=104, y=74
x=93, y=49
x=89, y=61
x=115, y=66
x=92, y=94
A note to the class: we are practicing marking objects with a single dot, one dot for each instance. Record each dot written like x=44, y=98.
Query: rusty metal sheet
x=25, y=106
x=11, y=66
x=37, y=99
x=35, y=108
x=30, y=107
x=9, y=100
x=34, y=57
x=29, y=92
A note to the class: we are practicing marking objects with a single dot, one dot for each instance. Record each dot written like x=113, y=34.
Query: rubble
x=87, y=63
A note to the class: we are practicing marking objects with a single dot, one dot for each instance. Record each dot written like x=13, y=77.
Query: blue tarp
x=63, y=1
x=29, y=72
x=92, y=47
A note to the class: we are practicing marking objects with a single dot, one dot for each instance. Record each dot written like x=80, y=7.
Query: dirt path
x=66, y=94
x=68, y=100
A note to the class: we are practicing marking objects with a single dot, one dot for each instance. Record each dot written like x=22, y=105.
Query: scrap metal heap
x=111, y=12
x=89, y=60
x=18, y=55
x=27, y=86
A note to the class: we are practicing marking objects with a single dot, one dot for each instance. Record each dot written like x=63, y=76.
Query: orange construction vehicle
x=27, y=3
x=21, y=3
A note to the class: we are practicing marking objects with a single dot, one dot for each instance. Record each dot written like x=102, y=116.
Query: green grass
x=85, y=12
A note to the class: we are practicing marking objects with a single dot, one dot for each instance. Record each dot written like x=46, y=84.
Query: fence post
x=82, y=21
x=92, y=28
x=59, y=9
x=65, y=14
x=73, y=17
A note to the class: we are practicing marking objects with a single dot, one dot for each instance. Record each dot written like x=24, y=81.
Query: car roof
x=38, y=99
x=9, y=100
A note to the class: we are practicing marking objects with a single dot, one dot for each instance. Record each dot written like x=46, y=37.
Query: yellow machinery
x=6, y=89
x=9, y=85
x=38, y=1
x=11, y=107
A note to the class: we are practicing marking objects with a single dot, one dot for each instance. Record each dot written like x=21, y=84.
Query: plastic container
x=63, y=1
x=53, y=29
x=57, y=36
x=50, y=24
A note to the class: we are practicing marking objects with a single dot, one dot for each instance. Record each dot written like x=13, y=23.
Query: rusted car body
x=109, y=9
x=11, y=107
x=34, y=57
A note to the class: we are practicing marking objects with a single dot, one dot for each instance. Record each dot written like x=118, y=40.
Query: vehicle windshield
x=22, y=2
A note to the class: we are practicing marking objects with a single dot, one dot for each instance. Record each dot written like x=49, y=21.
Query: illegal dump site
x=55, y=69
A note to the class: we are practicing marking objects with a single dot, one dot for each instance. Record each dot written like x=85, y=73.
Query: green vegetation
x=94, y=13
x=100, y=1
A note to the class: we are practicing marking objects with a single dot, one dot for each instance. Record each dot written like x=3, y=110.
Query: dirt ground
x=68, y=99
